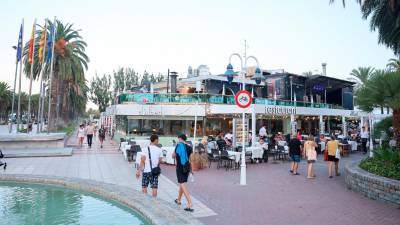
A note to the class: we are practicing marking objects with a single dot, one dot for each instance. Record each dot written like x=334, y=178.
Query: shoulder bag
x=156, y=171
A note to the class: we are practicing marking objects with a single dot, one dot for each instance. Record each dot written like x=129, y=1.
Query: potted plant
x=199, y=161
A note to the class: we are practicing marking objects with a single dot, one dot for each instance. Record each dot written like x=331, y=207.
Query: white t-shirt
x=262, y=132
x=364, y=134
x=228, y=136
x=156, y=154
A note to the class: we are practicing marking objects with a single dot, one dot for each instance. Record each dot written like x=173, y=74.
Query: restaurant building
x=284, y=102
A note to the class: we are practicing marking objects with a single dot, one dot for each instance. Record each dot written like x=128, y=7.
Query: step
x=34, y=152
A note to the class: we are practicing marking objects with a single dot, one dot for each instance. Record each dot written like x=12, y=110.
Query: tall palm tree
x=384, y=16
x=5, y=98
x=382, y=90
x=70, y=63
x=361, y=75
x=393, y=65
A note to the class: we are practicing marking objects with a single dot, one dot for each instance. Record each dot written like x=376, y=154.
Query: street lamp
x=229, y=74
x=258, y=77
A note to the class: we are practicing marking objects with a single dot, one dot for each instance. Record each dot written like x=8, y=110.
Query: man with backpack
x=150, y=165
x=182, y=155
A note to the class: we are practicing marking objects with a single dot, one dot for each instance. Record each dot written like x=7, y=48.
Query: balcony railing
x=148, y=98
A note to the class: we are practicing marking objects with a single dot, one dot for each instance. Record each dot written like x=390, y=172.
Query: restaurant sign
x=280, y=110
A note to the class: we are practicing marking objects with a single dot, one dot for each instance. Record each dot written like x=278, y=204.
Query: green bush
x=386, y=163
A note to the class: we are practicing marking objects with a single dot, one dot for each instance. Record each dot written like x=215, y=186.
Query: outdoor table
x=256, y=152
x=124, y=151
x=353, y=145
x=138, y=158
x=142, y=143
x=168, y=157
x=322, y=145
x=234, y=155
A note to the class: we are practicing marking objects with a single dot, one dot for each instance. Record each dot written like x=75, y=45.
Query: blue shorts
x=296, y=158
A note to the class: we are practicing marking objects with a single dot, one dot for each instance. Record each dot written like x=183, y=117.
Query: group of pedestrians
x=89, y=131
x=149, y=168
x=308, y=150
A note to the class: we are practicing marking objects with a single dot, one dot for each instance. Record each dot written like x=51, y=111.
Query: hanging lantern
x=258, y=77
x=229, y=73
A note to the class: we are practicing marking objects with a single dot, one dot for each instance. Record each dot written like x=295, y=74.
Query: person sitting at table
x=203, y=145
x=263, y=131
x=261, y=143
x=228, y=138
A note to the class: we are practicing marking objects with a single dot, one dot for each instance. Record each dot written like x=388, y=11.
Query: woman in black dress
x=182, y=155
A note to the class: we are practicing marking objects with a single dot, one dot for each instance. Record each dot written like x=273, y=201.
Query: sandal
x=330, y=176
x=296, y=174
x=338, y=174
x=189, y=209
x=176, y=202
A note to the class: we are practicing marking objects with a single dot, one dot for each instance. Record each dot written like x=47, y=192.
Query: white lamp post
x=230, y=73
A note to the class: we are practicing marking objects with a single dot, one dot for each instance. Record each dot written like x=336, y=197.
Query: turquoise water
x=45, y=204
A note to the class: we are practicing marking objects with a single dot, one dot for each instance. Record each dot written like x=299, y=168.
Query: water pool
x=46, y=204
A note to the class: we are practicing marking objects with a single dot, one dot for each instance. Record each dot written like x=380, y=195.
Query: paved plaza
x=272, y=195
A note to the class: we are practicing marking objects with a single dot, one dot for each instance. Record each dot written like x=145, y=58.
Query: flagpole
x=20, y=75
x=51, y=74
x=41, y=77
x=31, y=76
x=13, y=97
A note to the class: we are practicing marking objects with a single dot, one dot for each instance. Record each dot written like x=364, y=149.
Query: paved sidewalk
x=274, y=197
x=100, y=164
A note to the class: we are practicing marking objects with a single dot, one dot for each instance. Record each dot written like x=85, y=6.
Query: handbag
x=337, y=153
x=326, y=155
x=156, y=171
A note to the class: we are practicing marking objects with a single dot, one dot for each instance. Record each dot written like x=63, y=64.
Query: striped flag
x=31, y=44
x=19, y=47
x=42, y=40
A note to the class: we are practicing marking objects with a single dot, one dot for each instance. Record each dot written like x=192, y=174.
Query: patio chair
x=247, y=155
x=226, y=161
x=214, y=156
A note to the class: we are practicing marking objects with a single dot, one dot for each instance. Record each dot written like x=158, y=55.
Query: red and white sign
x=243, y=99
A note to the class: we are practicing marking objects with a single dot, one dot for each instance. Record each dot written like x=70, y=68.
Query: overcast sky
x=295, y=35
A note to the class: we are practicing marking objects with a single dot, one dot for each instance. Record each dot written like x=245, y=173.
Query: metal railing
x=148, y=98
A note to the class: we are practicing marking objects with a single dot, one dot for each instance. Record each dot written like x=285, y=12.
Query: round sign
x=243, y=99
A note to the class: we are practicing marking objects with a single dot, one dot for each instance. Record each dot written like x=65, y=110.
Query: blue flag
x=19, y=48
x=50, y=43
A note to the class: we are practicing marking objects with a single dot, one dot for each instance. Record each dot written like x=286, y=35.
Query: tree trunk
x=51, y=124
x=396, y=127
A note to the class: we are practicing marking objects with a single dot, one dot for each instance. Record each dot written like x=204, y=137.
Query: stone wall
x=371, y=185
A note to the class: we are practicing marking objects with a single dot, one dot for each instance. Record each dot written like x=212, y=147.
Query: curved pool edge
x=155, y=211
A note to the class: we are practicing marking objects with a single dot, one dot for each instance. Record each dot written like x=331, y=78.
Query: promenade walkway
x=272, y=196
x=100, y=164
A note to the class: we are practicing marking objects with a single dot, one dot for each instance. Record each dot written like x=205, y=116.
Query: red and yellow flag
x=31, y=45
x=42, y=40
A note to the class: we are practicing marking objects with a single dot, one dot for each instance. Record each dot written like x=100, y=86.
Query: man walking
x=295, y=152
x=364, y=138
x=89, y=134
x=102, y=135
x=151, y=158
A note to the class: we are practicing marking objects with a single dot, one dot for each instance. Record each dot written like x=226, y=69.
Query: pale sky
x=295, y=35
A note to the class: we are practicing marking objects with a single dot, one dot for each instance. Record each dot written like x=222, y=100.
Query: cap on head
x=182, y=136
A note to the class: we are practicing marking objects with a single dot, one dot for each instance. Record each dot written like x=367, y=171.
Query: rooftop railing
x=148, y=98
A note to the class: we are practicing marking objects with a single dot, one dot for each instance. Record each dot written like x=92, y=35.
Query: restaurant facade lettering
x=280, y=110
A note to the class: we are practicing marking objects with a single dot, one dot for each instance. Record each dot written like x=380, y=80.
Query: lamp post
x=230, y=73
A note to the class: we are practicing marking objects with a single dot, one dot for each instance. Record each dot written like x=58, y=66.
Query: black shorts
x=149, y=178
x=182, y=177
x=332, y=158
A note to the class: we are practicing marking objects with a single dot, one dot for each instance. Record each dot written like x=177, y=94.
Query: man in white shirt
x=364, y=138
x=228, y=138
x=262, y=132
x=156, y=158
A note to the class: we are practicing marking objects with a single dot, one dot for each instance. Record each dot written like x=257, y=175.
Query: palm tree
x=70, y=63
x=361, y=75
x=384, y=16
x=393, y=65
x=382, y=90
x=5, y=98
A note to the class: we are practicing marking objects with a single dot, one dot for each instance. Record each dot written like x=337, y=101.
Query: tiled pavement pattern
x=274, y=197
x=100, y=164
